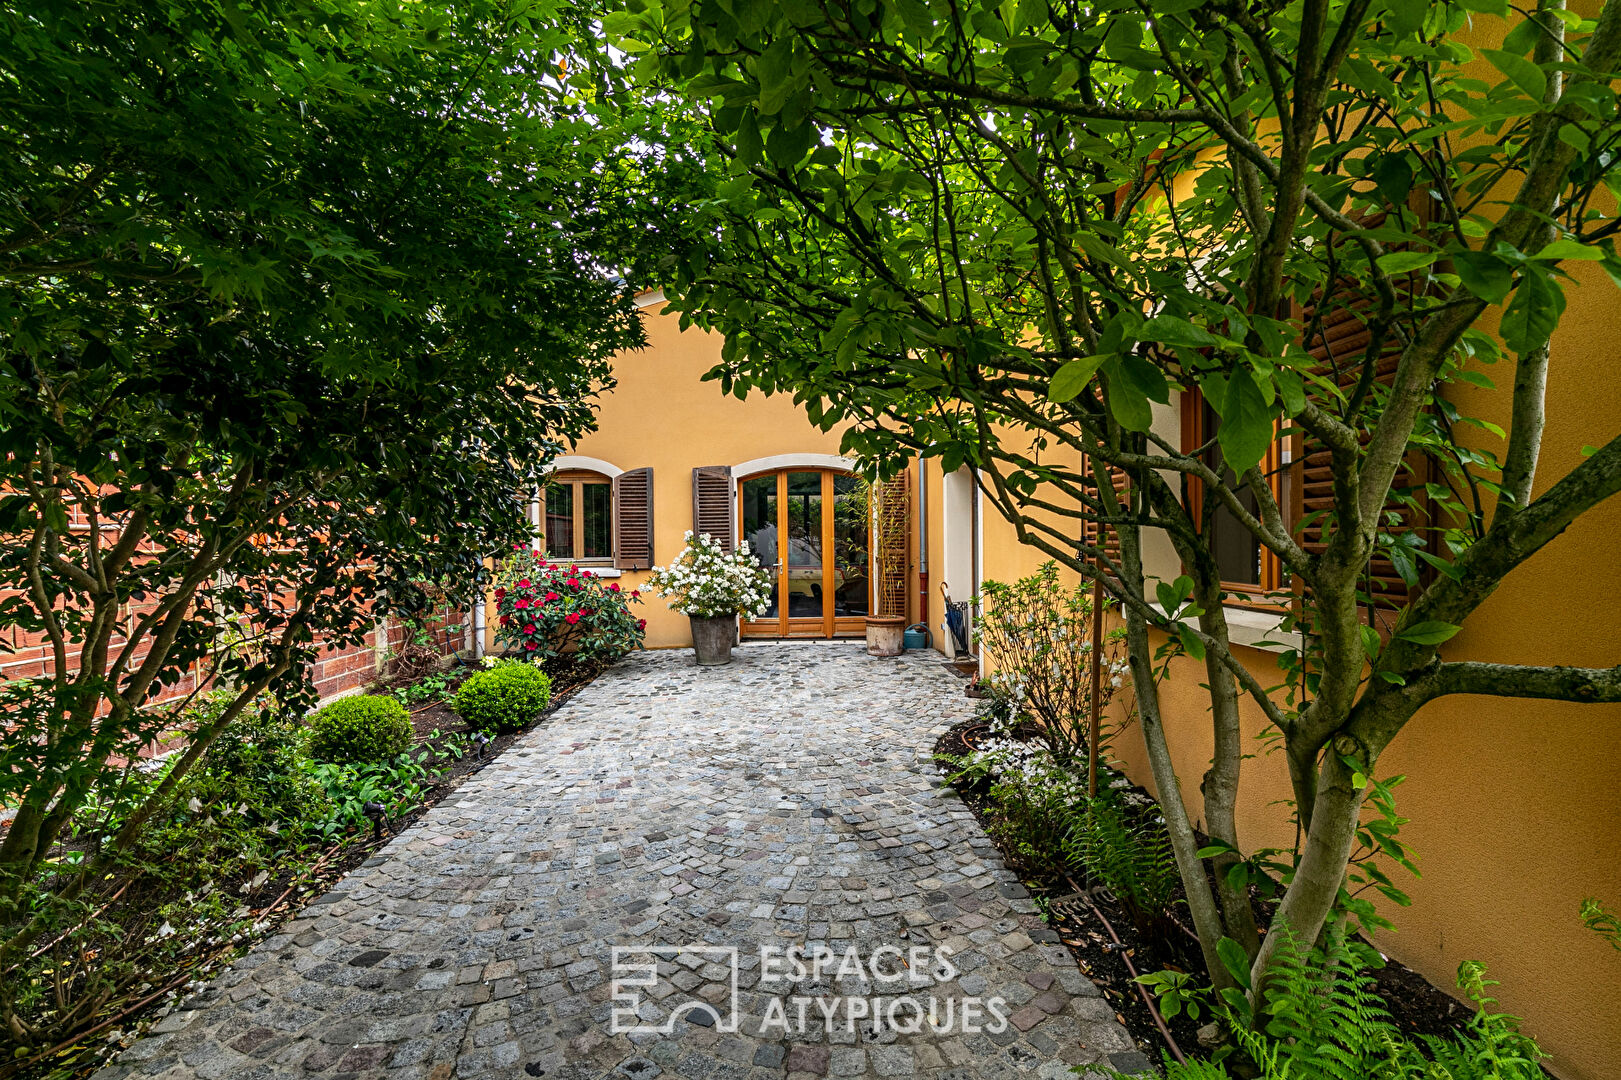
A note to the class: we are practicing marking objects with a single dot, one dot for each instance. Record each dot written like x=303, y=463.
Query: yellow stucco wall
x=1515, y=805
x=662, y=415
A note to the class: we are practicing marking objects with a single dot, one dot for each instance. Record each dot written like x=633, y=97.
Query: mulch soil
x=1089, y=922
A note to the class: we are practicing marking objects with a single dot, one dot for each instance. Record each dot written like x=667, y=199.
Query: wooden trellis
x=892, y=513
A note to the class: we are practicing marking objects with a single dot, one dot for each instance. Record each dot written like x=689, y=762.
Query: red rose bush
x=546, y=610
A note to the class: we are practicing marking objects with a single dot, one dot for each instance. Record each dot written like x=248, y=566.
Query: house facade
x=1515, y=805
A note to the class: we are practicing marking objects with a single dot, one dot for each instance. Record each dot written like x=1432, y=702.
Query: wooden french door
x=811, y=529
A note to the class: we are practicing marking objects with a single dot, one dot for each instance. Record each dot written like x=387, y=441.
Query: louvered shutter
x=892, y=515
x=1337, y=346
x=712, y=504
x=633, y=519
x=1090, y=527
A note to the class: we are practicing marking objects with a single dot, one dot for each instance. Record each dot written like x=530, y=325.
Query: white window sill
x=602, y=571
x=1252, y=629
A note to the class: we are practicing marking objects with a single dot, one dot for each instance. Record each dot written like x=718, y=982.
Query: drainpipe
x=922, y=541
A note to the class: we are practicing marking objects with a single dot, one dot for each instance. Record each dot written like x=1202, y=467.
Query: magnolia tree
x=284, y=297
x=1000, y=234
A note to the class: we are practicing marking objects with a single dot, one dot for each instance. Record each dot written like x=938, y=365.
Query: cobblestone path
x=787, y=799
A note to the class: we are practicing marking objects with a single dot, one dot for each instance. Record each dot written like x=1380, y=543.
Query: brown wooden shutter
x=1337, y=346
x=633, y=519
x=1090, y=527
x=892, y=519
x=712, y=504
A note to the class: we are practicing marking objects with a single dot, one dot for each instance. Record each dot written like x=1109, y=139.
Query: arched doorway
x=810, y=528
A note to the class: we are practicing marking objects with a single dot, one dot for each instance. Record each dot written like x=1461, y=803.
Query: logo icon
x=653, y=986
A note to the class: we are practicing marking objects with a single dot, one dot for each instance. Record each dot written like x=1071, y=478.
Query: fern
x=1128, y=854
x=1326, y=1022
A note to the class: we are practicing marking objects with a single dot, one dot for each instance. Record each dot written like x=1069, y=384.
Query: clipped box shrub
x=368, y=727
x=503, y=698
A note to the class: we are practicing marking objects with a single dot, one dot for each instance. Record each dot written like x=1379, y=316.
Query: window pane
x=596, y=503
x=560, y=521
x=1237, y=551
x=760, y=528
x=850, y=538
x=804, y=548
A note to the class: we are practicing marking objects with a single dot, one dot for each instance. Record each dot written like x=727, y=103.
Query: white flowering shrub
x=1038, y=634
x=706, y=582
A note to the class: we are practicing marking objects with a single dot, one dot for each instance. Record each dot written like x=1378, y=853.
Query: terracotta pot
x=712, y=639
x=886, y=635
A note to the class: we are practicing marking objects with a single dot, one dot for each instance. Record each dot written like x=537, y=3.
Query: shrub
x=259, y=764
x=369, y=727
x=1039, y=636
x=505, y=697
x=706, y=582
x=547, y=610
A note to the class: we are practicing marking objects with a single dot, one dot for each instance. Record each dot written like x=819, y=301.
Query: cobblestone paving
x=787, y=799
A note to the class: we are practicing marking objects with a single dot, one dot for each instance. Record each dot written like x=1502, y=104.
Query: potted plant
x=886, y=627
x=712, y=588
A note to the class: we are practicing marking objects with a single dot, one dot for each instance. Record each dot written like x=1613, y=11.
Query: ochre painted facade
x=1515, y=805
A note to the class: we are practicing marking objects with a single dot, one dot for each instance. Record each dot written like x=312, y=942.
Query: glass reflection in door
x=759, y=498
x=804, y=545
x=851, y=532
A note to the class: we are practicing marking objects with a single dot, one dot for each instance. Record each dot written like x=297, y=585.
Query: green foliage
x=293, y=299
x=547, y=610
x=1325, y=1021
x=504, y=697
x=1038, y=633
x=427, y=688
x=366, y=728
x=259, y=764
x=397, y=784
x=1602, y=921
x=1129, y=853
x=1003, y=235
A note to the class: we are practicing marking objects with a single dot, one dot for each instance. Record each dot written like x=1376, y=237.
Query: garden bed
x=269, y=894
x=1077, y=915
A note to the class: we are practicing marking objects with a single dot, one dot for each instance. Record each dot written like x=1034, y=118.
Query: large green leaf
x=1246, y=423
x=1520, y=71
x=1072, y=378
x=1533, y=313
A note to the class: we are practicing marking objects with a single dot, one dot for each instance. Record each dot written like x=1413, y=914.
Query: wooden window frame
x=576, y=479
x=828, y=625
x=1272, y=594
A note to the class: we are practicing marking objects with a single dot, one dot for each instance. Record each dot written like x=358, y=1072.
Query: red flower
x=613, y=586
x=500, y=594
x=635, y=594
x=530, y=645
x=572, y=617
x=574, y=569
x=552, y=596
x=506, y=620
x=641, y=624
x=524, y=584
x=530, y=629
x=521, y=604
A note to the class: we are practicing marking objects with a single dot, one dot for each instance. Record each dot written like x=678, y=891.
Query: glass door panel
x=802, y=513
x=851, y=538
x=758, y=495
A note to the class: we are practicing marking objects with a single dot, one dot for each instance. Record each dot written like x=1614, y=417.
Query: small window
x=1250, y=573
x=579, y=517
